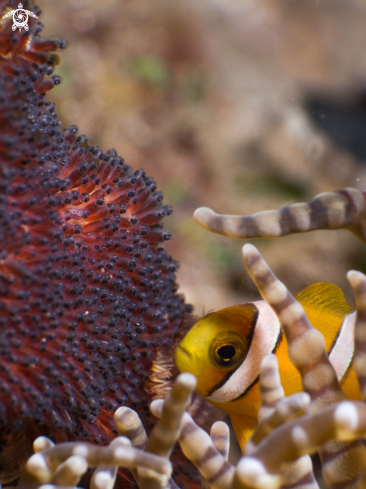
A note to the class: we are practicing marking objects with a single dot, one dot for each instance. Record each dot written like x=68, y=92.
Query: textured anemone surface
x=87, y=291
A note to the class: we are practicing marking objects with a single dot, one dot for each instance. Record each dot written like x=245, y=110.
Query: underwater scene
x=182, y=244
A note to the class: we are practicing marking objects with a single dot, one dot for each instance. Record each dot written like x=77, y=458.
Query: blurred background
x=238, y=105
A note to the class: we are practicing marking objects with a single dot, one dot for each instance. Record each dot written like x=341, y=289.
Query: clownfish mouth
x=183, y=359
x=183, y=350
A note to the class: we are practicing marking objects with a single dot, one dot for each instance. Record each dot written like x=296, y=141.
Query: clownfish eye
x=228, y=352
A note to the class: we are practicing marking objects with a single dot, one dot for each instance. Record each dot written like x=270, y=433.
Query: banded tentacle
x=275, y=410
x=62, y=464
x=129, y=425
x=200, y=449
x=306, y=347
x=165, y=434
x=209, y=453
x=220, y=436
x=263, y=468
x=306, y=350
x=342, y=209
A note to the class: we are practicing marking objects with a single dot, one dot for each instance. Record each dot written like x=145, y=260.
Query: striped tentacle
x=41, y=443
x=199, y=448
x=69, y=472
x=104, y=476
x=57, y=463
x=276, y=410
x=165, y=434
x=220, y=436
x=306, y=350
x=270, y=388
x=306, y=347
x=307, y=434
x=342, y=209
x=129, y=425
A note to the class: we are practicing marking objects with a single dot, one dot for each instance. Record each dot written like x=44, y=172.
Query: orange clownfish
x=224, y=350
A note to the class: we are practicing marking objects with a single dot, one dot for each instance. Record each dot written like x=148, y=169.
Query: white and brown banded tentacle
x=270, y=388
x=199, y=448
x=129, y=425
x=166, y=432
x=220, y=436
x=42, y=466
x=342, y=209
x=306, y=346
x=69, y=472
x=344, y=421
x=275, y=410
x=358, y=283
x=104, y=476
x=306, y=350
x=41, y=443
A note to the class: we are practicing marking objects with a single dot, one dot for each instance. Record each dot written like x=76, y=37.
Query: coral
x=87, y=291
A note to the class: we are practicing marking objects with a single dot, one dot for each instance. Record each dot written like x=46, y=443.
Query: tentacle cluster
x=277, y=454
x=63, y=464
x=276, y=457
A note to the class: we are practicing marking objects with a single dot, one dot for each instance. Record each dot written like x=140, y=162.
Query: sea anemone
x=87, y=291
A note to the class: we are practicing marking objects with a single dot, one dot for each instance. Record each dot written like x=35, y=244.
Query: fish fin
x=244, y=427
x=325, y=296
x=325, y=307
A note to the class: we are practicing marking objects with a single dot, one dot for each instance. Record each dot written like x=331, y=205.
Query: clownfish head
x=223, y=348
